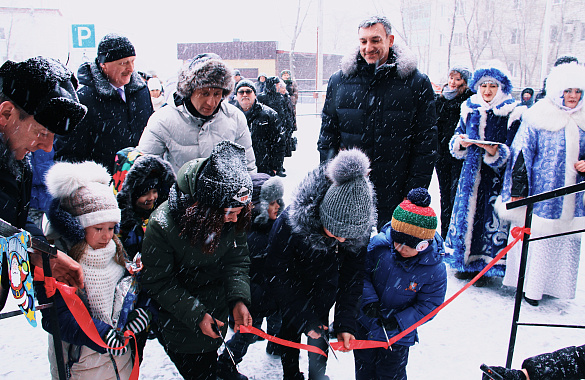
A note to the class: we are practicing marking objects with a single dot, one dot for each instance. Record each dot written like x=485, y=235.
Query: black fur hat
x=45, y=89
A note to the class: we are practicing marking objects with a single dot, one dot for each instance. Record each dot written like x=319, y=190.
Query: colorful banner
x=19, y=273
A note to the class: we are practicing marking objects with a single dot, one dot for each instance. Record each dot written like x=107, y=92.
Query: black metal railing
x=529, y=203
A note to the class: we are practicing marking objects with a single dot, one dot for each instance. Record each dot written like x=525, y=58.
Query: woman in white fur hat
x=548, y=153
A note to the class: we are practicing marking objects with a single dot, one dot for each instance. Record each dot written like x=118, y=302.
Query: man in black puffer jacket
x=380, y=103
x=118, y=103
x=265, y=127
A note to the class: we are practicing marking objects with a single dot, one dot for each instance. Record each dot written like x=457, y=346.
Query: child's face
x=273, y=208
x=231, y=214
x=99, y=235
x=147, y=201
x=405, y=251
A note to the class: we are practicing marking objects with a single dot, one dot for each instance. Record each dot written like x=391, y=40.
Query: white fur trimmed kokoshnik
x=83, y=190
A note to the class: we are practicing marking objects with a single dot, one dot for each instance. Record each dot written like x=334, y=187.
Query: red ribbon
x=282, y=342
x=85, y=321
x=517, y=234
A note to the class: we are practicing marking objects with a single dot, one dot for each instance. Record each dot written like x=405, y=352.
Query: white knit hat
x=84, y=192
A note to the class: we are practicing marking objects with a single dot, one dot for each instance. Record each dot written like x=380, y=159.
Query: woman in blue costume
x=476, y=235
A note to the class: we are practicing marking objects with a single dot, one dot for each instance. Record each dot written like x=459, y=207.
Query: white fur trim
x=516, y=114
x=456, y=149
x=99, y=217
x=64, y=178
x=546, y=115
x=571, y=75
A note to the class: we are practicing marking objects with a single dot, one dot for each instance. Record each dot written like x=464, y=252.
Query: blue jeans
x=380, y=363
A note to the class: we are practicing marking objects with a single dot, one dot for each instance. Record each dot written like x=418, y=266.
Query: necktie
x=121, y=93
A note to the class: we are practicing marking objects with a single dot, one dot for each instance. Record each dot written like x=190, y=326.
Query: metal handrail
x=529, y=203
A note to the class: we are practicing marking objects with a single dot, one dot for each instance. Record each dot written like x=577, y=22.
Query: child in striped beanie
x=405, y=280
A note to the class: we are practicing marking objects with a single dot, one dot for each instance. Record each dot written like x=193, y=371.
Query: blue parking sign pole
x=83, y=36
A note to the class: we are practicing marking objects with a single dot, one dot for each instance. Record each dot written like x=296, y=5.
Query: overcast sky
x=155, y=28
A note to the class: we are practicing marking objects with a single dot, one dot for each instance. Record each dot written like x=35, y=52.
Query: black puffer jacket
x=309, y=271
x=110, y=124
x=448, y=115
x=267, y=137
x=566, y=363
x=280, y=103
x=389, y=113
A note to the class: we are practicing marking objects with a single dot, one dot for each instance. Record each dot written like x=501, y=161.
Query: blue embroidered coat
x=407, y=289
x=476, y=234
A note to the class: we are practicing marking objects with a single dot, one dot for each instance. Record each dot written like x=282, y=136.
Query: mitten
x=372, y=310
x=388, y=323
x=507, y=374
x=138, y=320
x=115, y=340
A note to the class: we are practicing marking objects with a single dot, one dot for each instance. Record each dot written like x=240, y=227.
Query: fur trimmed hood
x=400, y=57
x=145, y=167
x=500, y=75
x=90, y=74
x=304, y=216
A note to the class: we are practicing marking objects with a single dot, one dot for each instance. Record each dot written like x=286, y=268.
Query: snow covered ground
x=473, y=329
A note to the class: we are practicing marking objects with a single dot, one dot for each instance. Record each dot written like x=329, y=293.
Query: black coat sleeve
x=566, y=363
x=351, y=283
x=329, y=137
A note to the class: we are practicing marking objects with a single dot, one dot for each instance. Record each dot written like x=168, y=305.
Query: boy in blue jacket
x=405, y=280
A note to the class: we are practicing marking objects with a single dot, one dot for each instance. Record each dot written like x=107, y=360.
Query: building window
x=458, y=39
x=513, y=69
x=459, y=11
x=554, y=33
x=2, y=35
x=517, y=4
x=515, y=39
x=557, y=2
x=583, y=32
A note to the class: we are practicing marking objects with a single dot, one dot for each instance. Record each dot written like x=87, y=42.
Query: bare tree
x=479, y=17
x=299, y=22
x=453, y=20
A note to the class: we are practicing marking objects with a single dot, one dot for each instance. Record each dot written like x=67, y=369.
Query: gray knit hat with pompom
x=347, y=209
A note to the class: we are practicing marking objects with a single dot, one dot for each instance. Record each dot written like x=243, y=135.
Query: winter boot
x=226, y=370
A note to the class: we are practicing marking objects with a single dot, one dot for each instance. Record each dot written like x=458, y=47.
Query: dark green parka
x=186, y=282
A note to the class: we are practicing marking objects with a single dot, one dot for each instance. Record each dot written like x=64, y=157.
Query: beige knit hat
x=84, y=192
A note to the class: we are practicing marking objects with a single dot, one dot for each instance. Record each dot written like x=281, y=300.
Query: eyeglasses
x=247, y=92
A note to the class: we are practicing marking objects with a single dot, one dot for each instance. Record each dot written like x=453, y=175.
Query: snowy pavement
x=473, y=329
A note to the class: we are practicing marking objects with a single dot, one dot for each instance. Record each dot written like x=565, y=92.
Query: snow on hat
x=413, y=220
x=463, y=70
x=113, y=47
x=45, y=89
x=347, y=209
x=205, y=70
x=245, y=83
x=84, y=192
x=492, y=73
x=154, y=84
x=223, y=181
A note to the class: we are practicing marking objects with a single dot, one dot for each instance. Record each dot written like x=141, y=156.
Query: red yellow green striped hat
x=414, y=218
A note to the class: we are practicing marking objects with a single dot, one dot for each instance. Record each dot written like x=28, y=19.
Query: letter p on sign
x=83, y=35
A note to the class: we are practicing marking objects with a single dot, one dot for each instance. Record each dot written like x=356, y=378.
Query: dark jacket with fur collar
x=110, y=124
x=389, y=113
x=309, y=271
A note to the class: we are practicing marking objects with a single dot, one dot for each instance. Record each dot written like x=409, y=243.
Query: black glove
x=138, y=320
x=115, y=340
x=507, y=374
x=388, y=323
x=372, y=310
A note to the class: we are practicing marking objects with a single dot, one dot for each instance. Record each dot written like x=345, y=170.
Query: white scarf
x=101, y=274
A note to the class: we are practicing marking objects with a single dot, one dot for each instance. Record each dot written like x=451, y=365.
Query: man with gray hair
x=380, y=103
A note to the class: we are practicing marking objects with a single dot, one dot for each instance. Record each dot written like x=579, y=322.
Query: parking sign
x=83, y=35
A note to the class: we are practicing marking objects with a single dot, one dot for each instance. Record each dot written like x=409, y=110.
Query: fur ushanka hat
x=205, y=70
x=45, y=89
x=267, y=189
x=82, y=198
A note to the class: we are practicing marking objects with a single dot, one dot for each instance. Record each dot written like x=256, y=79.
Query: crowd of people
x=172, y=203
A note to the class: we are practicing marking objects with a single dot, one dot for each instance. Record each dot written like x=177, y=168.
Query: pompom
x=348, y=165
x=420, y=197
x=64, y=178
